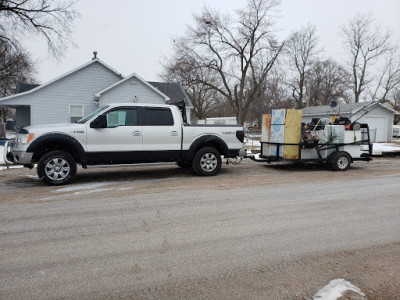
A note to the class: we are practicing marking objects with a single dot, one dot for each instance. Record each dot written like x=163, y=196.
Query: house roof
x=24, y=87
x=60, y=77
x=98, y=95
x=173, y=90
x=344, y=108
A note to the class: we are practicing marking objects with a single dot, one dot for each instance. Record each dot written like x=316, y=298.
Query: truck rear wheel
x=207, y=162
x=56, y=168
x=340, y=161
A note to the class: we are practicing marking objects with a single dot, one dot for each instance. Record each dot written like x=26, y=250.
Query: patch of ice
x=35, y=177
x=127, y=188
x=86, y=186
x=49, y=198
x=335, y=290
x=92, y=191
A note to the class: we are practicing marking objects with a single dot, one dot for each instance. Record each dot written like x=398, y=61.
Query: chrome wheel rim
x=57, y=169
x=343, y=162
x=208, y=162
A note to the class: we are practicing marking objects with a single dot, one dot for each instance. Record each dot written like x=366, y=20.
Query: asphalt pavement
x=170, y=235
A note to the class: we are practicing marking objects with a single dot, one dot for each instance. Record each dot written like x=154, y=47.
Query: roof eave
x=98, y=95
x=62, y=76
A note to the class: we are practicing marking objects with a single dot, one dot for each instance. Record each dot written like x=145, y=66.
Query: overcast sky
x=133, y=36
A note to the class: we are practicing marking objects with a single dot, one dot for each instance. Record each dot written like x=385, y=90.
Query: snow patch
x=252, y=143
x=335, y=290
x=10, y=135
x=379, y=148
x=2, y=162
x=77, y=193
x=11, y=167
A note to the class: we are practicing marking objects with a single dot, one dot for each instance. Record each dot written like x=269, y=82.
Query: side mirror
x=99, y=122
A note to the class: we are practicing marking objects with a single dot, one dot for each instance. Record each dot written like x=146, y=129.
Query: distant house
x=82, y=90
x=379, y=117
x=396, y=108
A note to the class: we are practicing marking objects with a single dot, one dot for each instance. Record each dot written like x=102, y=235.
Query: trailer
x=337, y=143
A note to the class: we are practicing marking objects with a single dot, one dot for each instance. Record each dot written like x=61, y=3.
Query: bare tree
x=274, y=96
x=396, y=98
x=327, y=81
x=302, y=49
x=237, y=53
x=15, y=66
x=389, y=79
x=19, y=19
x=183, y=70
x=50, y=19
x=365, y=43
x=221, y=107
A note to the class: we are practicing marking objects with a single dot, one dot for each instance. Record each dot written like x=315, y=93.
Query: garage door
x=379, y=125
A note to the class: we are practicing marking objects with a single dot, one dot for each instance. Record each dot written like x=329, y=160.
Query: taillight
x=240, y=135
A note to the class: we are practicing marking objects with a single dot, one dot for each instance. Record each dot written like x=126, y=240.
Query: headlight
x=25, y=138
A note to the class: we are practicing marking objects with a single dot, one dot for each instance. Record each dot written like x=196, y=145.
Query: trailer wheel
x=341, y=161
x=56, y=168
x=207, y=162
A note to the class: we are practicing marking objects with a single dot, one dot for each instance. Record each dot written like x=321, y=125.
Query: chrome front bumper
x=18, y=157
x=22, y=158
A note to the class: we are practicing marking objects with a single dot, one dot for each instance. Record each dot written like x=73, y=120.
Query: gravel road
x=255, y=231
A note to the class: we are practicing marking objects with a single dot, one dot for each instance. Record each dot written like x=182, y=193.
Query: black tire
x=207, y=162
x=56, y=168
x=340, y=161
x=184, y=164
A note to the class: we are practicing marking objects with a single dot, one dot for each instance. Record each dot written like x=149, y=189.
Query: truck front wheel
x=207, y=162
x=56, y=168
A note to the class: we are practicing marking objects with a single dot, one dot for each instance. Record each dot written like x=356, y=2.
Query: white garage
x=379, y=117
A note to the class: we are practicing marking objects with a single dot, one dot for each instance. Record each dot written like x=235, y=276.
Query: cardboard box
x=277, y=136
x=292, y=133
x=278, y=116
x=285, y=128
x=265, y=127
x=265, y=133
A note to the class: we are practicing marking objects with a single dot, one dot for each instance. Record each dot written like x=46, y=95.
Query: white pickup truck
x=121, y=134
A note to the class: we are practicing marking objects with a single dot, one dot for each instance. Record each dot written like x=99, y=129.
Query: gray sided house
x=79, y=92
x=378, y=117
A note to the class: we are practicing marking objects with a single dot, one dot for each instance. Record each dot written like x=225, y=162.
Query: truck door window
x=159, y=117
x=122, y=117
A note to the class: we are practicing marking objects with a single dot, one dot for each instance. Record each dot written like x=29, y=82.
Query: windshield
x=89, y=116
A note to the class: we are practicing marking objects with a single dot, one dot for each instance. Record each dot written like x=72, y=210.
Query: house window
x=75, y=112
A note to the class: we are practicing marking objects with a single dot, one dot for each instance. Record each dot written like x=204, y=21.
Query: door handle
x=136, y=133
x=174, y=133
